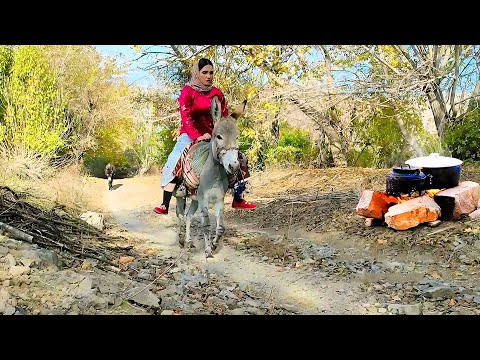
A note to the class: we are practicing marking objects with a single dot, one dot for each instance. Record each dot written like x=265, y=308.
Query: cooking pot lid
x=405, y=169
x=434, y=160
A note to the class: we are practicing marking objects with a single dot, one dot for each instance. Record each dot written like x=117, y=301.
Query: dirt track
x=308, y=248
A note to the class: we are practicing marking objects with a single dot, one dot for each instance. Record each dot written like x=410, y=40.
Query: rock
x=66, y=304
x=11, y=260
x=238, y=311
x=243, y=285
x=212, y=290
x=144, y=274
x=288, y=307
x=251, y=302
x=20, y=311
x=412, y=212
x=109, y=288
x=226, y=294
x=382, y=310
x=19, y=270
x=369, y=222
x=94, y=219
x=27, y=262
x=4, y=250
x=4, y=296
x=475, y=214
x=196, y=305
x=40, y=256
x=168, y=302
x=36, y=312
x=415, y=309
x=232, y=303
x=167, y=312
x=9, y=310
x=439, y=292
x=458, y=200
x=144, y=297
x=372, y=204
x=6, y=283
x=125, y=259
x=216, y=301
x=434, y=223
x=84, y=289
x=54, y=312
x=255, y=311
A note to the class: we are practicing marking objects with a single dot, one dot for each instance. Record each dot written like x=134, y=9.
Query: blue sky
x=125, y=56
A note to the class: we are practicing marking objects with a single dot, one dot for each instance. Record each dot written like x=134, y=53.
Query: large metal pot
x=442, y=172
x=405, y=180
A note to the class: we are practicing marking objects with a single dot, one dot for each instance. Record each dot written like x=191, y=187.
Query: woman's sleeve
x=186, y=103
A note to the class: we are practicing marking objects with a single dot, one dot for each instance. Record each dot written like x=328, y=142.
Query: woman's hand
x=205, y=136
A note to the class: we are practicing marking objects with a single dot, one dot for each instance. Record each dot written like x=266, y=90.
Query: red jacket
x=195, y=111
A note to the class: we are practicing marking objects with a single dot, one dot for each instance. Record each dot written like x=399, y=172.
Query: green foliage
x=380, y=140
x=463, y=138
x=294, y=147
x=163, y=142
x=6, y=60
x=34, y=108
x=112, y=146
x=153, y=148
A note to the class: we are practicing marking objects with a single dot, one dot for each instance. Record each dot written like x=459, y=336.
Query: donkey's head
x=225, y=136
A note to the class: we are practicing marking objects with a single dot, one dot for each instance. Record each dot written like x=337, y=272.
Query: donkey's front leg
x=219, y=208
x=191, y=211
x=180, y=210
x=206, y=228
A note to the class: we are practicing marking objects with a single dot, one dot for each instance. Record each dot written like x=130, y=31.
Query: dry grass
x=45, y=184
x=66, y=187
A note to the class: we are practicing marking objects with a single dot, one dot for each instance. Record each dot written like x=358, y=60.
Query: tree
x=34, y=107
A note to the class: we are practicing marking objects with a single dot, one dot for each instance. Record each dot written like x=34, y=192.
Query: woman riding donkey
x=197, y=125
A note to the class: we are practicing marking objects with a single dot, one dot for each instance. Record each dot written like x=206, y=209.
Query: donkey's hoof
x=208, y=252
x=181, y=241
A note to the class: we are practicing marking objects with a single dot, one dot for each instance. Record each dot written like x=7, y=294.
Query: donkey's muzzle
x=233, y=168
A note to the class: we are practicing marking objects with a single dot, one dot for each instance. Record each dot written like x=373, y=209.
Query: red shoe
x=243, y=205
x=161, y=209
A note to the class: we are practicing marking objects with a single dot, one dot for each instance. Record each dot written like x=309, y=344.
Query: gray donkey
x=221, y=161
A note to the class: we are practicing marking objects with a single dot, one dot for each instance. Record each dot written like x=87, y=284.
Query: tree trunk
x=339, y=158
x=408, y=138
x=335, y=142
x=437, y=105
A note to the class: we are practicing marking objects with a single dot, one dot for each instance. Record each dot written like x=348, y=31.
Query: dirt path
x=130, y=207
x=305, y=246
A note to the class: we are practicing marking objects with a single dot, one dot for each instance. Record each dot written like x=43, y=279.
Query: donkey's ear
x=239, y=109
x=215, y=109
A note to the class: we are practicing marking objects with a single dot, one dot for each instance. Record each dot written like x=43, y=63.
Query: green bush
x=33, y=107
x=463, y=138
x=294, y=147
x=380, y=142
x=163, y=141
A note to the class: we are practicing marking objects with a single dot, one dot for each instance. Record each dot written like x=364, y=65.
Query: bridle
x=222, y=152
